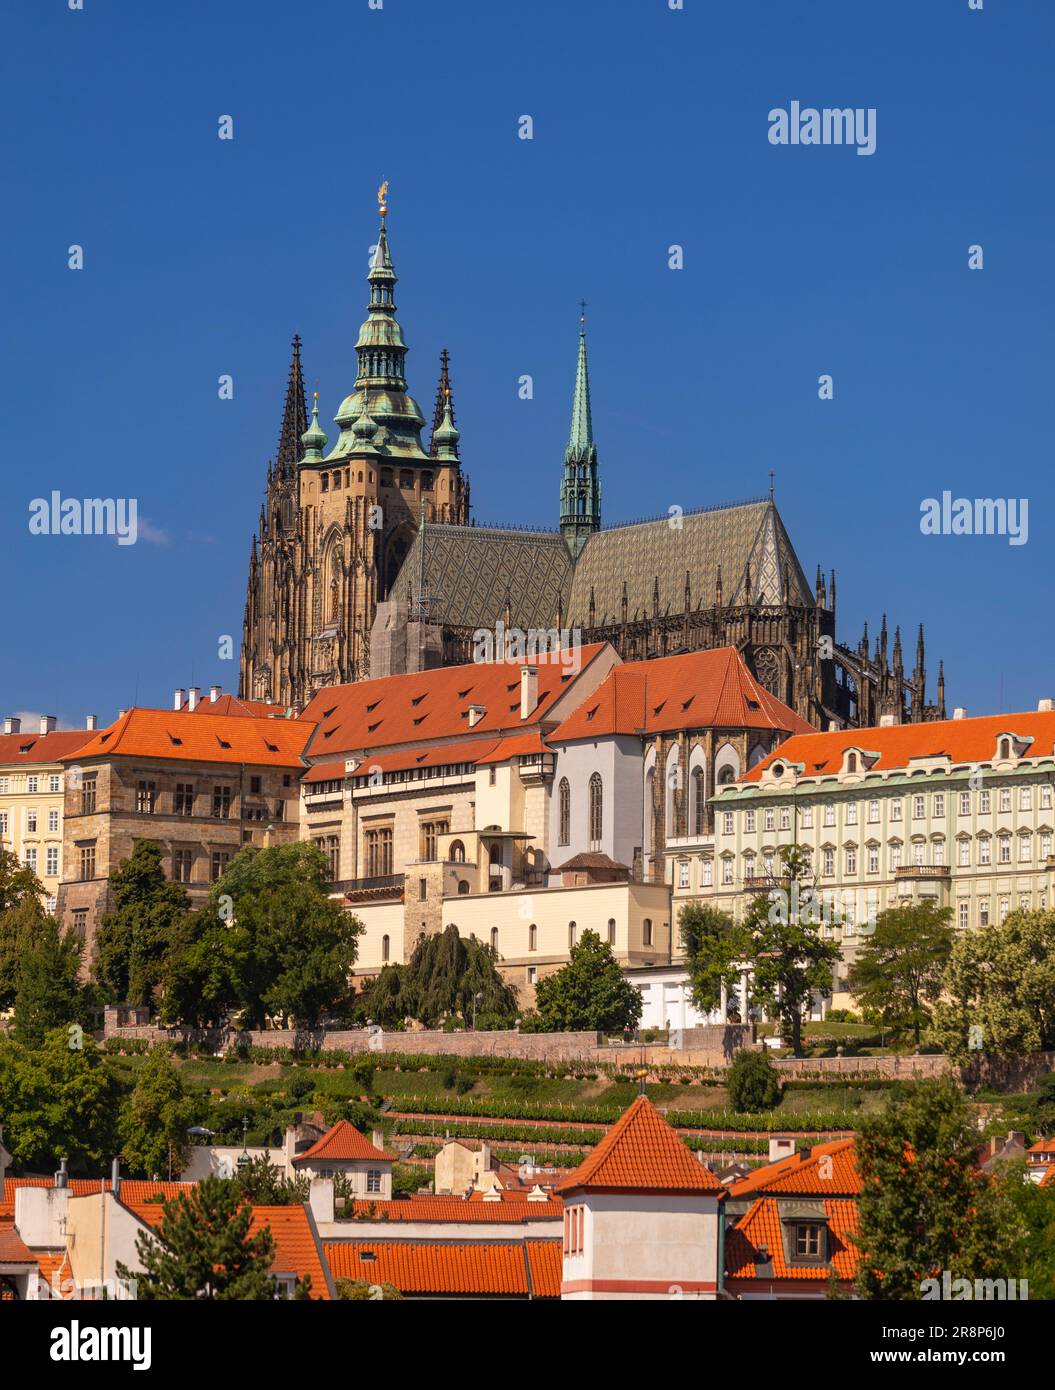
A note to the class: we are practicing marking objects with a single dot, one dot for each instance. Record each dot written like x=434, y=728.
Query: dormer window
x=809, y=1241
x=851, y=766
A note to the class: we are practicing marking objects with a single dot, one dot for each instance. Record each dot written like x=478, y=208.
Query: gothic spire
x=445, y=439
x=580, y=493
x=443, y=397
x=313, y=438
x=294, y=417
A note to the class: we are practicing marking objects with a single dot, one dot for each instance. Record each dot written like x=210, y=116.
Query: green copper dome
x=314, y=438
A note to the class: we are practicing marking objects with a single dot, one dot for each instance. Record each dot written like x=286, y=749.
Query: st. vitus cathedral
x=367, y=562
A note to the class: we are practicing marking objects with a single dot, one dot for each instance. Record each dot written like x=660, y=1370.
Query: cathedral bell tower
x=580, y=490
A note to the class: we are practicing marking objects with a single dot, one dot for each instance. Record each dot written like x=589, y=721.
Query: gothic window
x=564, y=812
x=767, y=669
x=596, y=811
x=699, y=804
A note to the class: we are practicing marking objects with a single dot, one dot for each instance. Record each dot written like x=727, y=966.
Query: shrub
x=753, y=1083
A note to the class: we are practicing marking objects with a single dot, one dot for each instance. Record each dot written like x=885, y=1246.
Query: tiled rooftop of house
x=641, y=1152
x=155, y=733
x=758, y=1234
x=826, y=1170
x=506, y=1268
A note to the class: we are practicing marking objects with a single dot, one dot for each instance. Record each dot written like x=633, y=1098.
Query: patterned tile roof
x=704, y=689
x=471, y=569
x=641, y=1152
x=760, y=1226
x=651, y=551
x=343, y=1141
x=179, y=734
x=434, y=1267
x=829, y=1170
x=960, y=740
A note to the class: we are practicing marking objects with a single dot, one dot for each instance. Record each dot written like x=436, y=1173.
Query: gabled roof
x=800, y=1175
x=435, y=1267
x=698, y=690
x=430, y=706
x=343, y=1141
x=179, y=734
x=760, y=1226
x=960, y=740
x=516, y=746
x=589, y=859
x=430, y=1208
x=28, y=748
x=239, y=708
x=298, y=1250
x=640, y=1153
x=406, y=759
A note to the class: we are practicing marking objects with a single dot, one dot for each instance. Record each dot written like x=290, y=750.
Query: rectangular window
x=31, y=822
x=708, y=873
x=749, y=822
x=87, y=861
x=895, y=808
x=808, y=1242
x=1005, y=849
x=373, y=1180
x=146, y=798
x=919, y=807
x=1045, y=844
x=851, y=861
x=983, y=914
x=807, y=817
x=939, y=803
x=829, y=813
x=431, y=830
x=220, y=860
x=183, y=803
x=423, y=889
x=182, y=861
x=964, y=853
x=1025, y=798
x=939, y=852
x=1005, y=908
x=769, y=822
x=873, y=859
x=895, y=856
x=785, y=817
x=379, y=853
x=828, y=863
x=51, y=861
x=255, y=786
x=851, y=813
x=32, y=784
x=88, y=791
x=727, y=871
x=683, y=875
x=873, y=812
x=983, y=803
x=727, y=822
x=532, y=974
x=963, y=915
x=1045, y=798
x=1025, y=851
x=4, y=784
x=80, y=921
x=3, y=822
x=221, y=803
x=31, y=859
x=1005, y=798
x=984, y=849
x=54, y=782
x=965, y=803
x=53, y=822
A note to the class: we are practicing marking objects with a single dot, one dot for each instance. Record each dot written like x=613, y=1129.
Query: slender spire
x=443, y=397
x=313, y=438
x=294, y=417
x=580, y=493
x=445, y=439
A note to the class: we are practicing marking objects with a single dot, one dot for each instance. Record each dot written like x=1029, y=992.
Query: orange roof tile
x=830, y=1170
x=1042, y=1146
x=133, y=1190
x=422, y=755
x=34, y=748
x=760, y=1226
x=343, y=1140
x=13, y=1249
x=418, y=1267
x=641, y=1152
x=431, y=1208
x=517, y=746
x=706, y=689
x=297, y=1250
x=961, y=740
x=433, y=705
x=155, y=733
x=236, y=706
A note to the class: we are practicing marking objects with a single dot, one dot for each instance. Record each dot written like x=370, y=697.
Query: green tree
x=589, y=993
x=925, y=1206
x=155, y=1118
x=21, y=916
x=788, y=957
x=752, y=1082
x=261, y=1183
x=714, y=946
x=291, y=946
x=898, y=973
x=360, y=1291
x=48, y=992
x=383, y=999
x=134, y=939
x=1035, y=1207
x=198, y=987
x=59, y=1100
x=1000, y=990
x=444, y=974
x=203, y=1249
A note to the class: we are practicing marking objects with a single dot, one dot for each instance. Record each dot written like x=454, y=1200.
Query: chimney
x=887, y=721
x=215, y=692
x=377, y=1138
x=12, y=725
x=320, y=1199
x=834, y=726
x=122, y=712
x=528, y=690
x=959, y=712
x=780, y=1146
x=476, y=713
x=178, y=698
x=115, y=1177
x=47, y=724
x=90, y=722
x=193, y=696
x=1045, y=706
x=62, y=1177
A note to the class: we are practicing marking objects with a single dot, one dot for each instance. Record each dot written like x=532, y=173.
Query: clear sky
x=202, y=257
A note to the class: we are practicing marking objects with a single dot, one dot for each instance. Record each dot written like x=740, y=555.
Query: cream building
x=32, y=783
x=960, y=812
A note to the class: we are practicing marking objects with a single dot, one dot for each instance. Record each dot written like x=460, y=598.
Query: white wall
x=618, y=761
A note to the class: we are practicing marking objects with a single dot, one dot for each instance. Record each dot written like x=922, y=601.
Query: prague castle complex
x=368, y=561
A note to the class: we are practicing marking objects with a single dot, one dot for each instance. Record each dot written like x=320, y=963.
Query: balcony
x=923, y=871
x=382, y=888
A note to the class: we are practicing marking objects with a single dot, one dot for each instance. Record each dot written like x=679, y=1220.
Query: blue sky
x=203, y=256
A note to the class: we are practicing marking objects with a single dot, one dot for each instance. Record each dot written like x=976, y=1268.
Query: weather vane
x=382, y=198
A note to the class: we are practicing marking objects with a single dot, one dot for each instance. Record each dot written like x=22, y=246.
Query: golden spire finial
x=382, y=198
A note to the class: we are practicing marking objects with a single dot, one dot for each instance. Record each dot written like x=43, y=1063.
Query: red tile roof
x=13, y=1249
x=516, y=746
x=830, y=1170
x=430, y=1208
x=707, y=689
x=641, y=1153
x=236, y=706
x=35, y=748
x=446, y=1268
x=1042, y=1146
x=297, y=1251
x=155, y=733
x=760, y=1226
x=961, y=740
x=433, y=705
x=438, y=755
x=1048, y=1180
x=343, y=1141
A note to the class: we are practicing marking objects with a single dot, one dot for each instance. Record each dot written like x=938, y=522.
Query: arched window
x=611, y=931
x=532, y=937
x=596, y=811
x=699, y=802
x=494, y=939
x=726, y=775
x=1005, y=748
x=463, y=886
x=457, y=852
x=384, y=947
x=648, y=931
x=564, y=812
x=571, y=935
x=851, y=762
